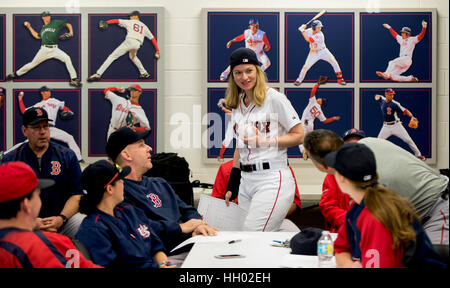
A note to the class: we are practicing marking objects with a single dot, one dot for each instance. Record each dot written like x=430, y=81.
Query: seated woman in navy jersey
x=114, y=233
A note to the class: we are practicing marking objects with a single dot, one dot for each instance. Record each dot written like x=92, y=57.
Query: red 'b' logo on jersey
x=56, y=168
x=155, y=199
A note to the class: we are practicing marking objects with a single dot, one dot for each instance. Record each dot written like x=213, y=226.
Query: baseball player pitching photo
x=255, y=39
x=137, y=31
x=403, y=62
x=126, y=112
x=53, y=107
x=318, y=51
x=49, y=35
x=314, y=110
x=392, y=126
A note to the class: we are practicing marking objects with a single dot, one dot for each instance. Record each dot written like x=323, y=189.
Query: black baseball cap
x=45, y=88
x=121, y=138
x=100, y=174
x=243, y=56
x=354, y=161
x=353, y=132
x=34, y=115
x=135, y=13
x=305, y=242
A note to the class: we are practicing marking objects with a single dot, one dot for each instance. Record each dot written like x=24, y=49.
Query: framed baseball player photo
x=119, y=108
x=324, y=46
x=3, y=46
x=46, y=47
x=221, y=143
x=329, y=108
x=403, y=45
x=386, y=113
x=123, y=46
x=63, y=107
x=2, y=119
x=229, y=30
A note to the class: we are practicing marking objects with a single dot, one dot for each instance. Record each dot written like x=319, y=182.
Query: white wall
x=183, y=66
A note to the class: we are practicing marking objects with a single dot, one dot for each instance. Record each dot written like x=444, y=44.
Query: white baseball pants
x=315, y=56
x=398, y=130
x=127, y=45
x=267, y=195
x=399, y=66
x=46, y=53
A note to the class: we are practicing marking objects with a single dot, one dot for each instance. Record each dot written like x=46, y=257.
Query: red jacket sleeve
x=113, y=21
x=376, y=244
x=341, y=243
x=221, y=183
x=22, y=106
x=393, y=33
x=333, y=204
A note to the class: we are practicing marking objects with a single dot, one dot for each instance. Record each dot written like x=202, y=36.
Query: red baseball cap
x=136, y=87
x=17, y=179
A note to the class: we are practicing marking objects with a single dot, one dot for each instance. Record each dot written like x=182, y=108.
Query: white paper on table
x=302, y=261
x=216, y=213
x=220, y=237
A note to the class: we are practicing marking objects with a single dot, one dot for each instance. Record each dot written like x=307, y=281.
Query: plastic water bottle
x=325, y=250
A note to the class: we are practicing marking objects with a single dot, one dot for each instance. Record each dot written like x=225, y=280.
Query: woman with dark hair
x=116, y=234
x=382, y=229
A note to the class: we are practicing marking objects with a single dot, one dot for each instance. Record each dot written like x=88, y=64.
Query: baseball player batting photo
x=49, y=35
x=401, y=64
x=137, y=31
x=318, y=51
x=392, y=126
x=314, y=110
x=255, y=39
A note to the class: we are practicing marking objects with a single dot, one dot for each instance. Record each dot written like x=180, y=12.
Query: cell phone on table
x=229, y=256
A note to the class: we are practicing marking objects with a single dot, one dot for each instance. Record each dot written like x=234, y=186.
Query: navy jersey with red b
x=58, y=163
x=389, y=109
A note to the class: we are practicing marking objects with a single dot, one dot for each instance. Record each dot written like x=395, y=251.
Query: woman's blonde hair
x=259, y=91
x=395, y=212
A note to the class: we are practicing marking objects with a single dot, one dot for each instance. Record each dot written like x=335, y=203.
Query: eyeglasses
x=39, y=127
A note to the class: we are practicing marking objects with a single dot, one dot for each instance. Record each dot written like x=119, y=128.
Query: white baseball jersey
x=52, y=106
x=407, y=45
x=121, y=108
x=275, y=118
x=136, y=29
x=312, y=111
x=254, y=41
x=319, y=40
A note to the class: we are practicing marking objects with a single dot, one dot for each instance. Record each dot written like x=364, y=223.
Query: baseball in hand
x=26, y=24
x=387, y=26
x=247, y=131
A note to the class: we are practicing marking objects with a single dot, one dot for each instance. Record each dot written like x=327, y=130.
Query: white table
x=254, y=245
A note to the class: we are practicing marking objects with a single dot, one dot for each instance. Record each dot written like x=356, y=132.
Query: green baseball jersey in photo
x=49, y=33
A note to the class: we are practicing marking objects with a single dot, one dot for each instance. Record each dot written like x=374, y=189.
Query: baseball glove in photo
x=65, y=36
x=66, y=115
x=102, y=25
x=413, y=123
x=322, y=80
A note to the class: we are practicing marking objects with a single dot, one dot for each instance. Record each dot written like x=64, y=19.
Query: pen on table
x=278, y=241
x=234, y=241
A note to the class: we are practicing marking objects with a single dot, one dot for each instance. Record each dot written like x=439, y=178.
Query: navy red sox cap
x=353, y=132
x=389, y=91
x=135, y=13
x=354, y=161
x=121, y=138
x=34, y=115
x=243, y=56
x=97, y=176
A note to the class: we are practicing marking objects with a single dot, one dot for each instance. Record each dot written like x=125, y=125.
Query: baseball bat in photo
x=317, y=16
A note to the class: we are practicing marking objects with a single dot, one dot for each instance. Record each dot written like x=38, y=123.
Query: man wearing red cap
x=126, y=112
x=20, y=204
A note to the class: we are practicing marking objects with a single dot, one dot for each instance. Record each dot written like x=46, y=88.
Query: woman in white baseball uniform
x=265, y=124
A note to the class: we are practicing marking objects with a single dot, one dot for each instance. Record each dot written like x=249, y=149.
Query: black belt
x=252, y=167
x=390, y=123
x=50, y=46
